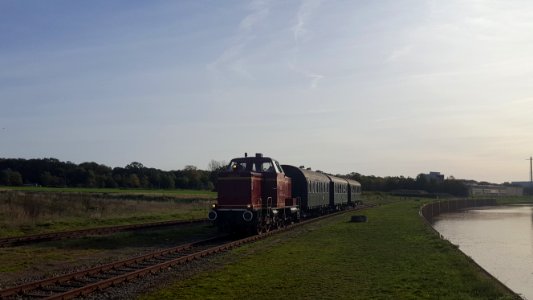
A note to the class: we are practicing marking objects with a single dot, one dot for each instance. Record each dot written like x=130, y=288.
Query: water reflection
x=500, y=239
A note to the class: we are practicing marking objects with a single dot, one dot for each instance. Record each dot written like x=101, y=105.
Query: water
x=500, y=239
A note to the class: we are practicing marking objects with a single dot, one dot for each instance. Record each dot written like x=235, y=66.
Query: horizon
x=300, y=166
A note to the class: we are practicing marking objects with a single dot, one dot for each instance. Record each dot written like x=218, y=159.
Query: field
x=392, y=256
x=37, y=210
x=151, y=192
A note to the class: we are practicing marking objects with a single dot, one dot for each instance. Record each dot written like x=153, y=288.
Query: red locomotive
x=256, y=195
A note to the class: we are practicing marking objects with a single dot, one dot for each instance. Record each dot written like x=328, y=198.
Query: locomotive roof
x=252, y=158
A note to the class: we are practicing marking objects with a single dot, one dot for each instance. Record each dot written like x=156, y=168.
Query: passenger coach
x=311, y=189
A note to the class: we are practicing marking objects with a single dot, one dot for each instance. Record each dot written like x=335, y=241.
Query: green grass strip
x=169, y=192
x=392, y=256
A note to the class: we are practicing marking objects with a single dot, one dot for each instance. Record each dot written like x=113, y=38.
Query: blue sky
x=375, y=87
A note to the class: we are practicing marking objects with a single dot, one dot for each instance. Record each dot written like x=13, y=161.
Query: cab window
x=267, y=167
x=237, y=165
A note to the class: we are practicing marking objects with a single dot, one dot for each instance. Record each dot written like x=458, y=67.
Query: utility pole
x=530, y=169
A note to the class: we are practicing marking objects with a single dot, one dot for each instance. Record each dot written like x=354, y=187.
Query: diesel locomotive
x=257, y=194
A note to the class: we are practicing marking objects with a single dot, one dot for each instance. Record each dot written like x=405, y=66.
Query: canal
x=500, y=239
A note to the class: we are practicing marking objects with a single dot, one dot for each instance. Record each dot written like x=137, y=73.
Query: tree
x=135, y=166
x=214, y=165
x=10, y=177
x=167, y=181
x=15, y=178
x=133, y=181
x=193, y=177
x=4, y=177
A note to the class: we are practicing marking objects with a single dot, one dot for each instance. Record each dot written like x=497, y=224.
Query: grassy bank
x=31, y=212
x=392, y=256
x=514, y=200
x=149, y=192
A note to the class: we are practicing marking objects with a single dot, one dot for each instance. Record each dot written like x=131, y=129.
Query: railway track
x=88, y=281
x=36, y=238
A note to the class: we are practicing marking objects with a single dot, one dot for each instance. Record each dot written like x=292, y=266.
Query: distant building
x=524, y=184
x=434, y=176
x=494, y=190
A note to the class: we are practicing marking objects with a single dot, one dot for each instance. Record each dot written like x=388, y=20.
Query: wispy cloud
x=305, y=12
x=300, y=30
x=259, y=11
x=399, y=53
x=314, y=78
x=231, y=59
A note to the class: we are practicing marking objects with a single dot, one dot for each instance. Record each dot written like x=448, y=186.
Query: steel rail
x=99, y=269
x=133, y=263
x=59, y=235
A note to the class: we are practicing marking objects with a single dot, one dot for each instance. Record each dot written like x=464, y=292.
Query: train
x=256, y=194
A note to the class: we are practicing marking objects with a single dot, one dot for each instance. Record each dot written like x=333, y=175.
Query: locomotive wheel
x=281, y=223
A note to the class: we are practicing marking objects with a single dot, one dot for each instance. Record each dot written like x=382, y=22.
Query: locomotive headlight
x=214, y=206
x=249, y=206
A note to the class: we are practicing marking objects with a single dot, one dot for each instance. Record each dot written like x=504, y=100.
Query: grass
x=151, y=192
x=514, y=200
x=46, y=257
x=392, y=256
x=23, y=213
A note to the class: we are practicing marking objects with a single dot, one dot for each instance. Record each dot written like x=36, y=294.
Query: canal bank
x=431, y=213
x=498, y=238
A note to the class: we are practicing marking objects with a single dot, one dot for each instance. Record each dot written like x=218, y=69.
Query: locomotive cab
x=253, y=193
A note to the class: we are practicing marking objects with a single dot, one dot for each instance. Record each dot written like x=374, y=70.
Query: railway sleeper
x=97, y=277
x=56, y=288
x=74, y=284
x=127, y=270
x=36, y=294
x=117, y=272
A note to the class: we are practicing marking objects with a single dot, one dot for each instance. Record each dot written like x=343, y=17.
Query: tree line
x=420, y=183
x=51, y=172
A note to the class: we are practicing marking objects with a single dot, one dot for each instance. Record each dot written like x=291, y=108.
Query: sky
x=385, y=88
